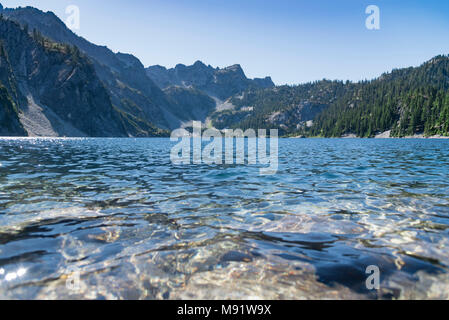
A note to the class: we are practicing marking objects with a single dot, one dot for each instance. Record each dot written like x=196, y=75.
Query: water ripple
x=129, y=224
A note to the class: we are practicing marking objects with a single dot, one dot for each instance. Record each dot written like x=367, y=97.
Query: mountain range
x=216, y=82
x=56, y=83
x=403, y=102
x=138, y=107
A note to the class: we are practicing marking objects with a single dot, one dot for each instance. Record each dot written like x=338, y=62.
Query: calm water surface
x=113, y=218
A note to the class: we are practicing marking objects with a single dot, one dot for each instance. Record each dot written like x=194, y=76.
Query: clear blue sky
x=292, y=41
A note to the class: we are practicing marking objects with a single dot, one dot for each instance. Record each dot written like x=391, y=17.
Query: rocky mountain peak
x=235, y=68
x=199, y=63
x=129, y=60
x=216, y=82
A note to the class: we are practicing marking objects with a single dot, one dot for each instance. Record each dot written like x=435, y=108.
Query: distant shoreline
x=348, y=136
x=383, y=135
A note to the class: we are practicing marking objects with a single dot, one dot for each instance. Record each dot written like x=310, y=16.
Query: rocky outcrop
x=55, y=83
x=216, y=82
x=263, y=83
x=190, y=103
x=114, y=93
x=9, y=116
x=123, y=75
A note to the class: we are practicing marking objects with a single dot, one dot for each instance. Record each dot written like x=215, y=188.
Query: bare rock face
x=59, y=78
x=144, y=106
x=264, y=83
x=219, y=83
x=198, y=91
x=190, y=103
x=122, y=75
x=9, y=116
x=119, y=80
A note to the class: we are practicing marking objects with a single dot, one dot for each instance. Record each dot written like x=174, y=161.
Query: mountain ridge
x=220, y=83
x=405, y=101
x=54, y=82
x=132, y=92
x=122, y=74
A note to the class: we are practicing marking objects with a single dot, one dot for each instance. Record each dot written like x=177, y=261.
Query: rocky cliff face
x=190, y=103
x=200, y=92
x=219, y=83
x=114, y=93
x=9, y=116
x=54, y=88
x=123, y=75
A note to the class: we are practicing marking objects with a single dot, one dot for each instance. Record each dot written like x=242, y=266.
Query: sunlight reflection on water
x=133, y=225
